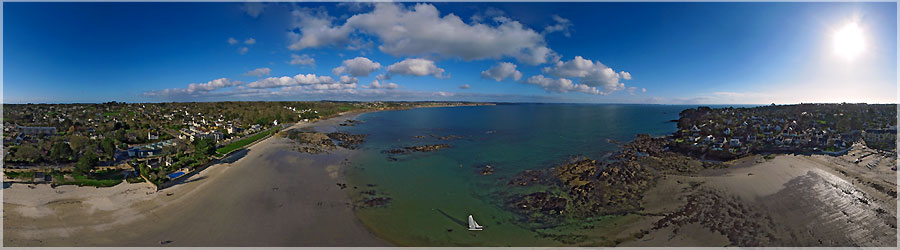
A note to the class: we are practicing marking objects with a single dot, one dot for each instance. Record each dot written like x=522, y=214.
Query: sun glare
x=848, y=41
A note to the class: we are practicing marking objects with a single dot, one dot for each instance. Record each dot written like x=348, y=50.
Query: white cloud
x=415, y=67
x=502, y=71
x=422, y=31
x=465, y=86
x=259, y=72
x=243, y=50
x=317, y=31
x=377, y=85
x=232, y=41
x=250, y=41
x=302, y=60
x=253, y=9
x=348, y=80
x=359, y=66
x=590, y=73
x=196, y=88
x=643, y=90
x=562, y=25
x=561, y=85
x=211, y=85
x=445, y=94
x=300, y=79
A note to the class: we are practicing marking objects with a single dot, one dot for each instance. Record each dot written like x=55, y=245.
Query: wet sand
x=271, y=196
x=791, y=200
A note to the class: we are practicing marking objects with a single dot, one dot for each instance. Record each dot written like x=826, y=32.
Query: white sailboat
x=473, y=226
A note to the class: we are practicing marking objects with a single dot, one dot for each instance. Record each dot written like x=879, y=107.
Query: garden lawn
x=243, y=142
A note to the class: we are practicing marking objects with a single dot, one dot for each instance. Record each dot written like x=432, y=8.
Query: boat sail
x=473, y=226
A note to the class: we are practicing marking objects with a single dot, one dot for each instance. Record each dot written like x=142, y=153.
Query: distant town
x=102, y=144
x=806, y=128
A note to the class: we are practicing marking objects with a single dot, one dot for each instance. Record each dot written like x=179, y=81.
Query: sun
x=849, y=42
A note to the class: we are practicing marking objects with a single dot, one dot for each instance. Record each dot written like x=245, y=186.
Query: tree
x=144, y=169
x=78, y=143
x=87, y=162
x=27, y=153
x=61, y=152
x=204, y=147
x=160, y=172
x=108, y=146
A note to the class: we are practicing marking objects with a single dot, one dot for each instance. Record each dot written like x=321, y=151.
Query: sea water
x=433, y=193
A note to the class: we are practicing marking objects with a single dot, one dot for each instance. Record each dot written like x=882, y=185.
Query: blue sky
x=698, y=53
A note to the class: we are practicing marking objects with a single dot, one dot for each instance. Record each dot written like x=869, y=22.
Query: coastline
x=780, y=196
x=219, y=212
x=778, y=200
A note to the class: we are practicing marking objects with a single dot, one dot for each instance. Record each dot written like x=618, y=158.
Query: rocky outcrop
x=316, y=142
x=448, y=137
x=312, y=142
x=350, y=123
x=310, y=150
x=422, y=148
x=531, y=177
x=542, y=207
x=487, y=170
x=596, y=188
x=345, y=140
x=372, y=198
x=376, y=202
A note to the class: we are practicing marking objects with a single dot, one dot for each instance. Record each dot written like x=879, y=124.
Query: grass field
x=81, y=180
x=243, y=142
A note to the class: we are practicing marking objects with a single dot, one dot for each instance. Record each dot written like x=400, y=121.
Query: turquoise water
x=433, y=192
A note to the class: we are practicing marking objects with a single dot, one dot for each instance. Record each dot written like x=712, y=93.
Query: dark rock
x=345, y=140
x=487, y=170
x=377, y=202
x=315, y=142
x=422, y=148
x=540, y=207
x=449, y=137
x=530, y=177
x=350, y=123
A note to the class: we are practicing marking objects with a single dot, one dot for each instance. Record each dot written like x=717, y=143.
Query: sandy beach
x=269, y=195
x=791, y=200
x=272, y=195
